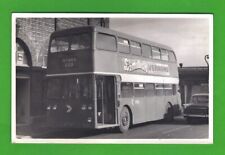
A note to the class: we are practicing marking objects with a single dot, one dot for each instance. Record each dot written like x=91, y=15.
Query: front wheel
x=124, y=120
x=190, y=120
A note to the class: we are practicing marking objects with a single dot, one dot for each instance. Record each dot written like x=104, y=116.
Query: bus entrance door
x=106, y=108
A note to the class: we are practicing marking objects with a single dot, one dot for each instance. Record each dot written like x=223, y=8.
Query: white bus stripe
x=129, y=77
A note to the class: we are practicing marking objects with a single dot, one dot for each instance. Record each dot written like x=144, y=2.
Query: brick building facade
x=32, y=39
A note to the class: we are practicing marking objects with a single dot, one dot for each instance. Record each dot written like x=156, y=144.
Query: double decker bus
x=100, y=78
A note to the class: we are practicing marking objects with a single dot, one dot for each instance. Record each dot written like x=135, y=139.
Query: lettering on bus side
x=131, y=65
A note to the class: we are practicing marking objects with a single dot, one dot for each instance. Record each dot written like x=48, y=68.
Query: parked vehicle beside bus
x=100, y=78
x=197, y=108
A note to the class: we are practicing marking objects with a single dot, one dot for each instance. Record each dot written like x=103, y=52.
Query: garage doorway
x=23, y=65
x=22, y=100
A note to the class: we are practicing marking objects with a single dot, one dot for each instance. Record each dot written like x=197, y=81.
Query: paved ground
x=179, y=129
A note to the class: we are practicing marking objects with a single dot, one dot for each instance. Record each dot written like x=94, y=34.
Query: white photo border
x=14, y=138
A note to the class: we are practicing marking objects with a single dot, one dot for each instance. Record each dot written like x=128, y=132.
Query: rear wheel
x=124, y=120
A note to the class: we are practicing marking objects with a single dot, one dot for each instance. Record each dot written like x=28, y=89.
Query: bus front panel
x=70, y=101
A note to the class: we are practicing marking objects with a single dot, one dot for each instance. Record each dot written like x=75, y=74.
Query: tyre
x=190, y=120
x=124, y=120
x=169, y=116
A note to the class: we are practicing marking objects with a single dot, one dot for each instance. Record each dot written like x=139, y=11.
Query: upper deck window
x=135, y=48
x=146, y=51
x=81, y=41
x=106, y=42
x=164, y=55
x=123, y=45
x=155, y=53
x=172, y=56
x=59, y=44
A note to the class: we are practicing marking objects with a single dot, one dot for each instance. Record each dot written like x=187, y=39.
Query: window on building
x=164, y=55
x=155, y=53
x=123, y=45
x=146, y=51
x=59, y=44
x=106, y=42
x=81, y=41
x=21, y=58
x=135, y=48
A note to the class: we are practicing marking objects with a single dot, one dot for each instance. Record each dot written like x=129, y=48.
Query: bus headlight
x=89, y=120
x=83, y=107
x=54, y=107
x=89, y=107
x=48, y=107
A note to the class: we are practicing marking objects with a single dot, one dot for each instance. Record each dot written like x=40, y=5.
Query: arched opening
x=23, y=65
x=23, y=56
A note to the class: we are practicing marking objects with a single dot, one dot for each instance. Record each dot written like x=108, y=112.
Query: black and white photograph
x=112, y=78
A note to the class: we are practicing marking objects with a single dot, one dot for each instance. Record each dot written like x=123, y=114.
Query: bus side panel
x=137, y=65
x=137, y=109
x=105, y=61
x=150, y=108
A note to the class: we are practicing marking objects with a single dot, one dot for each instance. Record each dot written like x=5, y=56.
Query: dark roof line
x=110, y=31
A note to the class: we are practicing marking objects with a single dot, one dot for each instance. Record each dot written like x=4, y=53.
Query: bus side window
x=171, y=56
x=123, y=45
x=156, y=53
x=135, y=48
x=164, y=55
x=126, y=89
x=174, y=89
x=159, y=89
x=106, y=42
x=168, y=89
x=150, y=90
x=146, y=51
x=139, y=90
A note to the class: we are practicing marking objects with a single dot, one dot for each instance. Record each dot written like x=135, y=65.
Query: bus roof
x=107, y=31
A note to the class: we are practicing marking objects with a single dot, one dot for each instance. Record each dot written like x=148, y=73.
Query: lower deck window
x=150, y=89
x=126, y=89
x=159, y=89
x=168, y=89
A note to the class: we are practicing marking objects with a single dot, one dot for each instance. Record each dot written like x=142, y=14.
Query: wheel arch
x=131, y=113
x=169, y=113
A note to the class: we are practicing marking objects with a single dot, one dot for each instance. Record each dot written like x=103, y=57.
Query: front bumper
x=195, y=115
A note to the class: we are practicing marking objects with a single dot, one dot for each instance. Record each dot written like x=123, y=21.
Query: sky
x=188, y=37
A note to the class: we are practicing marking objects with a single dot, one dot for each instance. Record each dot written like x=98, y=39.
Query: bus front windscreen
x=71, y=43
x=78, y=88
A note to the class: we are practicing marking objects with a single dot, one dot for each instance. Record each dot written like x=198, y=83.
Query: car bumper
x=195, y=115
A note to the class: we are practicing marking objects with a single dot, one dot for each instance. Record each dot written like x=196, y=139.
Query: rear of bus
x=69, y=96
